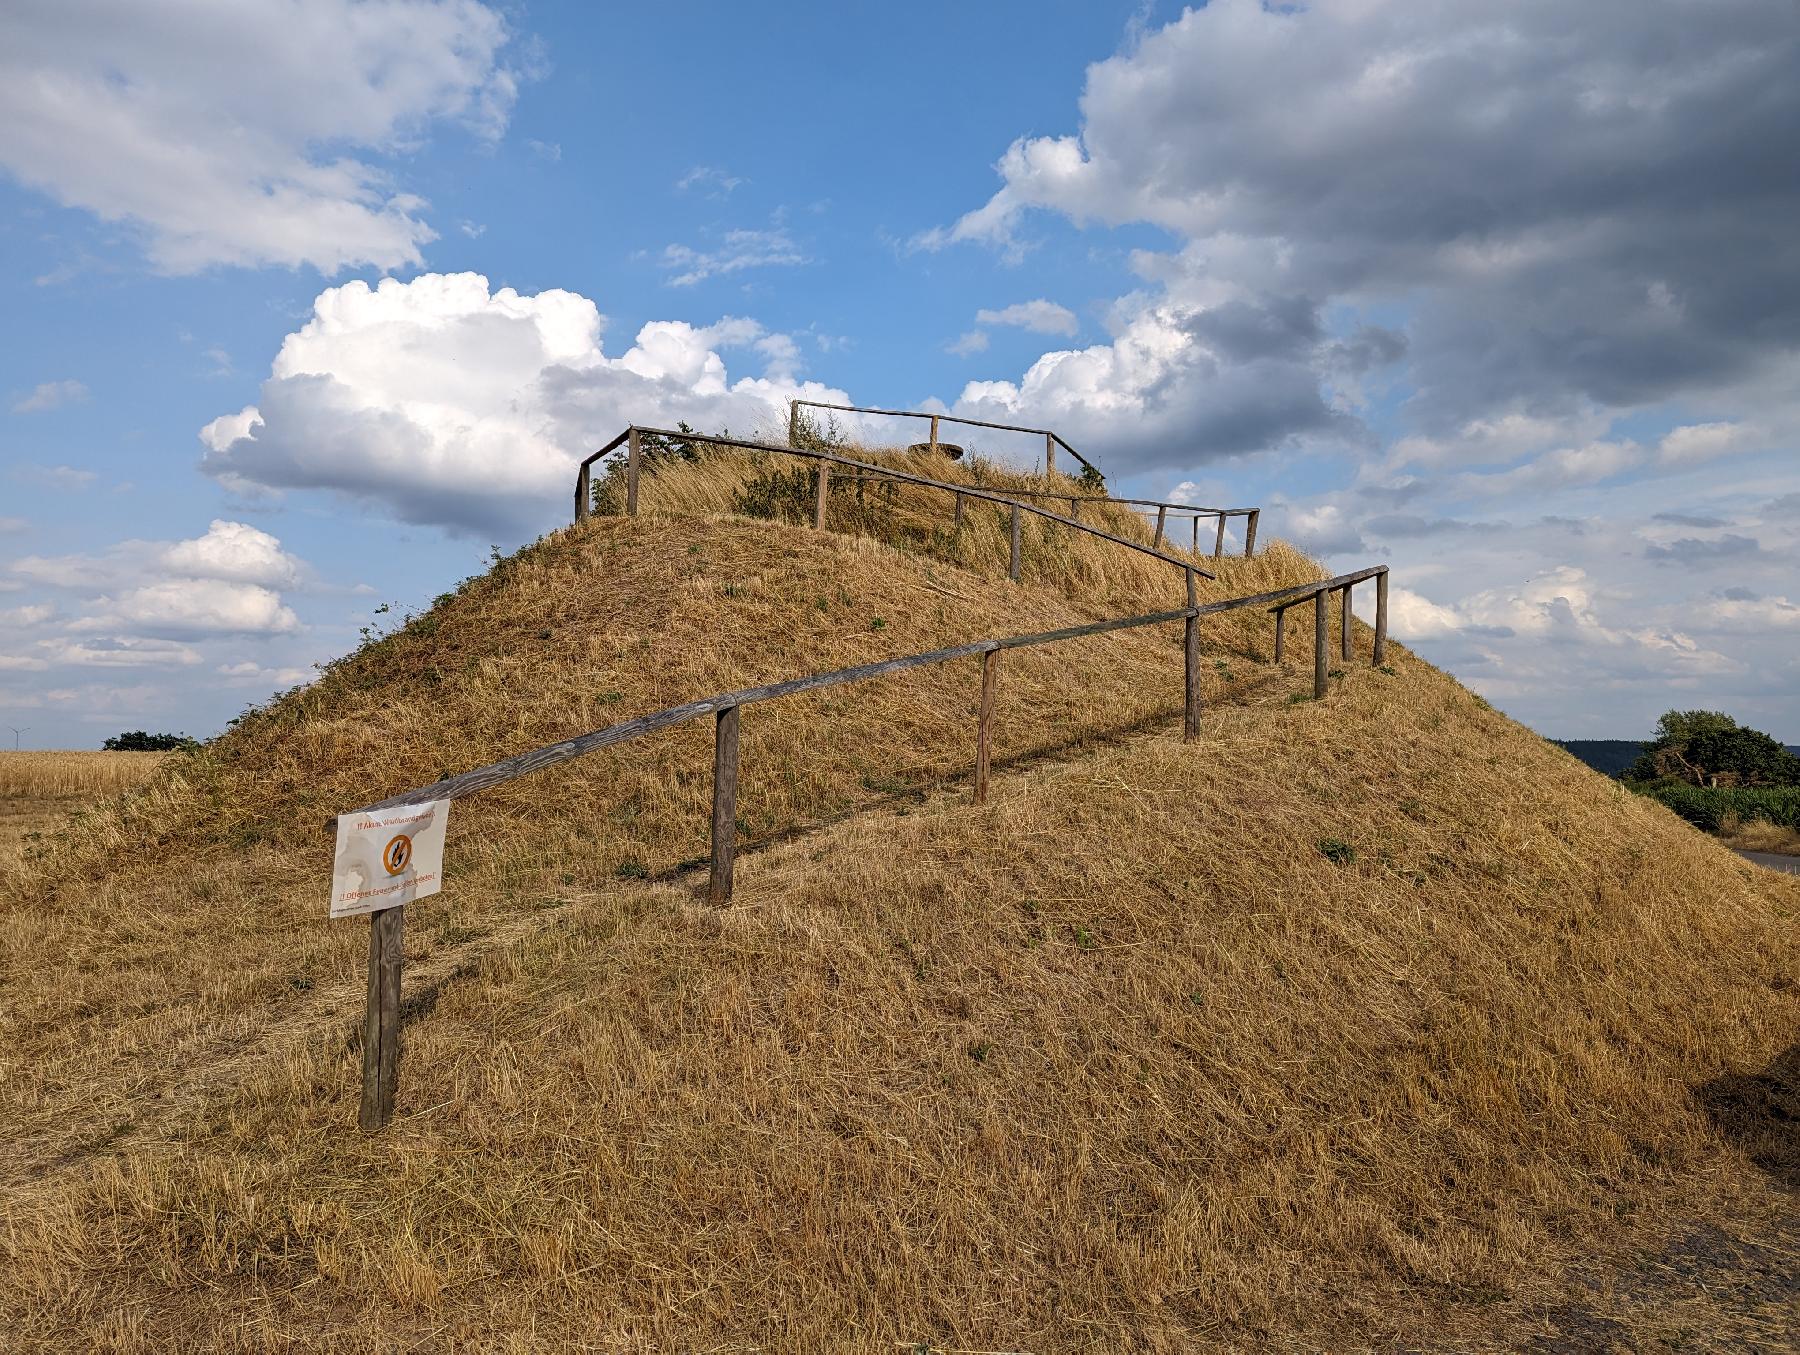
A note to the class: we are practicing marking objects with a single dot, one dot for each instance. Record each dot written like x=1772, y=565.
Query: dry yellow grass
x=39, y=790
x=1759, y=835
x=1341, y=1025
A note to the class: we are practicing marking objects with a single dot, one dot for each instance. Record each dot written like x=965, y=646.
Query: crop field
x=39, y=791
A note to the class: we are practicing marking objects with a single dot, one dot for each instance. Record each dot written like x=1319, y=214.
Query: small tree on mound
x=137, y=741
x=1709, y=748
x=655, y=450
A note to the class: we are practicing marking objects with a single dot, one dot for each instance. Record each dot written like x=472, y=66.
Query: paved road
x=1774, y=861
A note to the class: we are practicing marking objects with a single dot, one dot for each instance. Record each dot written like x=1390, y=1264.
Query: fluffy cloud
x=444, y=402
x=188, y=608
x=50, y=395
x=223, y=131
x=1573, y=203
x=224, y=582
x=236, y=553
x=1040, y=317
x=1192, y=375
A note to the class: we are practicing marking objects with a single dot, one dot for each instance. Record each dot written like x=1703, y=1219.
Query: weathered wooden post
x=984, y=724
x=956, y=519
x=1344, y=650
x=793, y=423
x=1380, y=654
x=1191, y=642
x=381, y=1023
x=934, y=428
x=1012, y=570
x=819, y=498
x=1250, y=532
x=1049, y=453
x=1321, y=646
x=633, y=454
x=724, y=813
x=583, y=494
x=1074, y=508
x=1219, y=541
x=1195, y=519
x=1162, y=520
x=1280, y=632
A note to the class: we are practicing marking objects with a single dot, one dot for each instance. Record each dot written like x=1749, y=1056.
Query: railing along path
x=381, y=1048
x=1052, y=441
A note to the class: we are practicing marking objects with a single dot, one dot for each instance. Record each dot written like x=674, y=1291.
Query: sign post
x=385, y=859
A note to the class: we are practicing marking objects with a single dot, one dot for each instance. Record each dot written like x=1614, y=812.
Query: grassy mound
x=1349, y=1014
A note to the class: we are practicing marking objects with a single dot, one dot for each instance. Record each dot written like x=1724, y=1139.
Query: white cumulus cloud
x=442, y=401
x=225, y=132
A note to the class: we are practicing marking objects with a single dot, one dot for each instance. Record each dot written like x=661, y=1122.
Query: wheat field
x=39, y=790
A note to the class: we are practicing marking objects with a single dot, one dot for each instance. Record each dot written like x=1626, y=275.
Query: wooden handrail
x=1316, y=593
x=632, y=438
x=381, y=1039
x=1052, y=438
x=497, y=773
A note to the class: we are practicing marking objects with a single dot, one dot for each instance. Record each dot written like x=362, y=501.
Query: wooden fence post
x=583, y=492
x=793, y=423
x=1191, y=641
x=1162, y=519
x=956, y=521
x=1250, y=533
x=824, y=489
x=633, y=454
x=1195, y=519
x=1219, y=541
x=1321, y=645
x=1344, y=651
x=1380, y=618
x=1074, y=508
x=984, y=724
x=934, y=428
x=1049, y=453
x=381, y=1023
x=1280, y=632
x=1012, y=570
x=724, y=815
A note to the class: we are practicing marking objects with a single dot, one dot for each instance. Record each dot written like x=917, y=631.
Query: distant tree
x=137, y=741
x=1709, y=748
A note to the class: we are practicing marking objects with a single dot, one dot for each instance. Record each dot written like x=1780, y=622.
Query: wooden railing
x=386, y=934
x=632, y=439
x=1194, y=512
x=1317, y=595
x=1051, y=439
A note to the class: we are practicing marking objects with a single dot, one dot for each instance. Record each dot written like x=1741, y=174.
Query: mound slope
x=1343, y=1019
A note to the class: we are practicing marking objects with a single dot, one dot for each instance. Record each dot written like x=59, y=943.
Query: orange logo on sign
x=397, y=855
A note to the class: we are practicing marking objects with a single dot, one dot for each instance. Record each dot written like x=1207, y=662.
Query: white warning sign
x=387, y=857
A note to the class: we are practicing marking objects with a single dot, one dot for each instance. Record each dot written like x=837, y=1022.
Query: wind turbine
x=18, y=730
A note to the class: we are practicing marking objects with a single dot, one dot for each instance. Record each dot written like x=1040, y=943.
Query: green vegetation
x=137, y=741
x=1720, y=808
x=1719, y=775
x=1709, y=748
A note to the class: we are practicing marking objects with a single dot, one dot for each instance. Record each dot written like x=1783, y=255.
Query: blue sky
x=1506, y=299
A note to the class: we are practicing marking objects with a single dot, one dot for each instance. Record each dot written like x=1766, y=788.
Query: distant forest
x=1612, y=756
